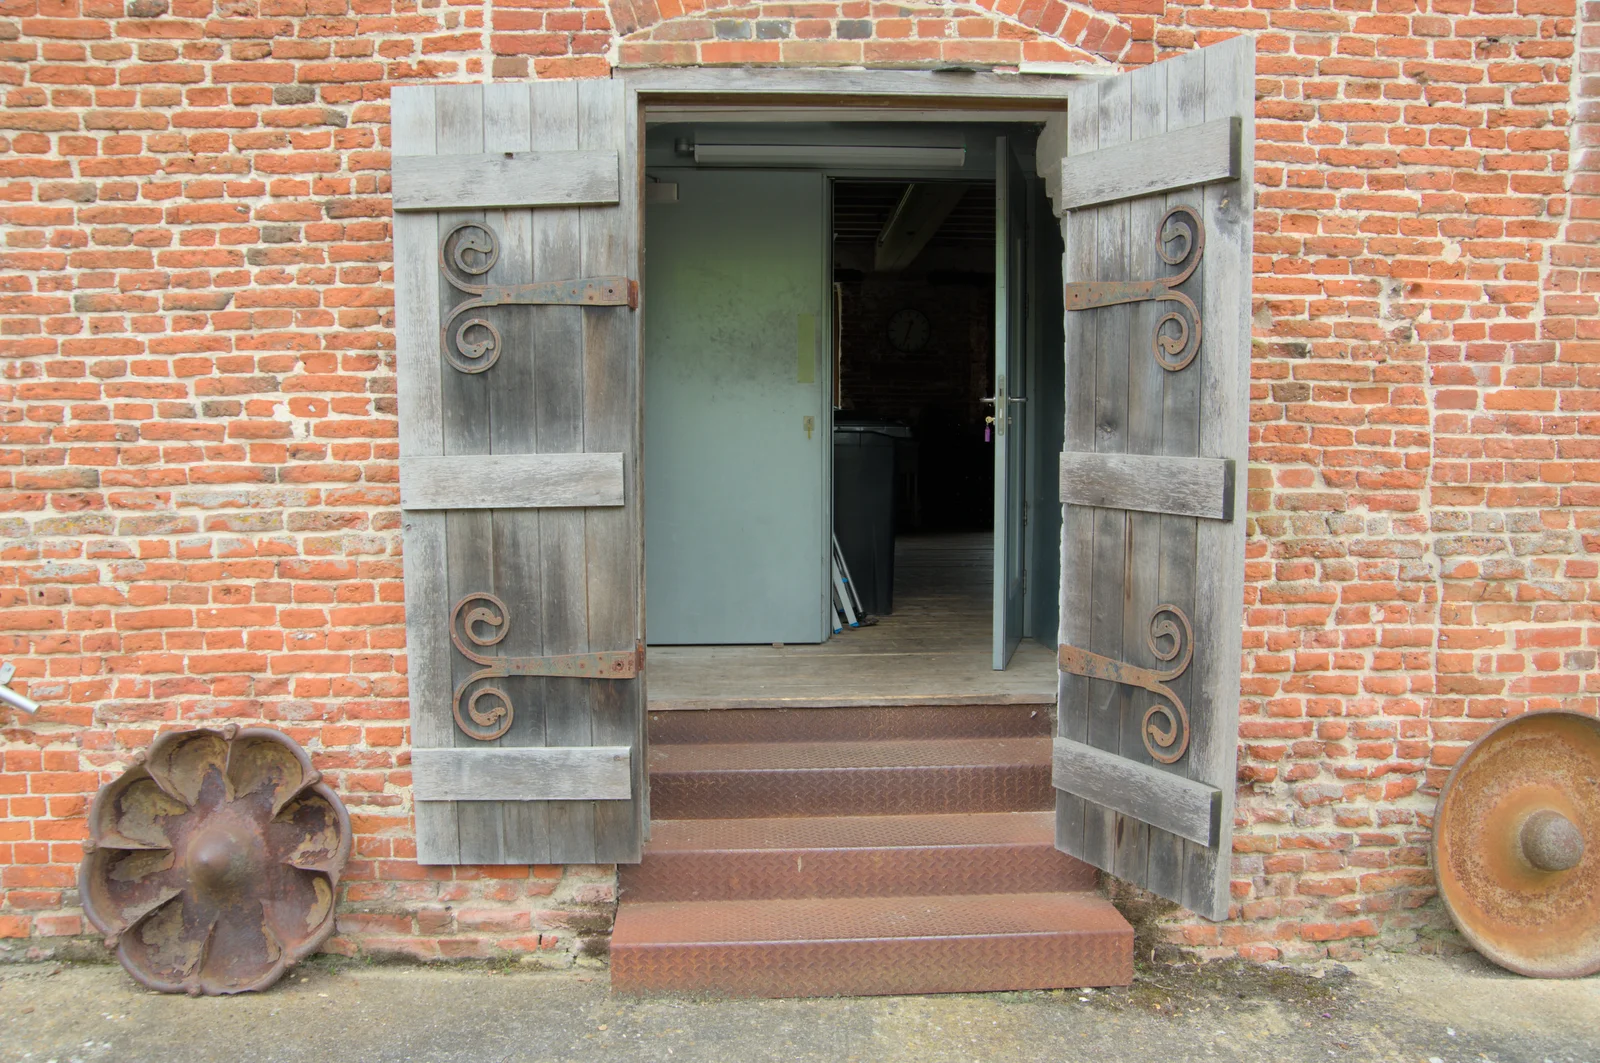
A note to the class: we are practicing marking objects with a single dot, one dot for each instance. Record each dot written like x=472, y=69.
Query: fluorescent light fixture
x=843, y=155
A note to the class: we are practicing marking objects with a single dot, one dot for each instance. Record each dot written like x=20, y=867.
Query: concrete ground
x=1416, y=1009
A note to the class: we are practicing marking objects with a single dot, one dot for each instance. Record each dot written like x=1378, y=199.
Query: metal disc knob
x=1551, y=841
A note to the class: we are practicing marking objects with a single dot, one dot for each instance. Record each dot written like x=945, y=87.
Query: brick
x=197, y=487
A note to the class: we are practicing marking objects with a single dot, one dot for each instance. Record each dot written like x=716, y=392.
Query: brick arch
x=859, y=33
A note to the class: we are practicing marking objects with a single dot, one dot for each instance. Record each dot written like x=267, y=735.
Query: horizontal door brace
x=505, y=179
x=1166, y=162
x=532, y=773
x=511, y=481
x=1149, y=483
x=1162, y=799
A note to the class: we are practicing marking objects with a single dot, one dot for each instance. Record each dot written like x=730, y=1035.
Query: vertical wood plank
x=1077, y=530
x=466, y=413
x=417, y=367
x=1107, y=602
x=1219, y=547
x=1142, y=568
x=508, y=126
x=559, y=414
x=1180, y=416
x=609, y=247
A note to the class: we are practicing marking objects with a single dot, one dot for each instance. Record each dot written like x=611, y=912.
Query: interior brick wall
x=936, y=390
x=198, y=518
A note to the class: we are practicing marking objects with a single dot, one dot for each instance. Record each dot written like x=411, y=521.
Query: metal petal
x=300, y=913
x=119, y=887
x=260, y=762
x=244, y=953
x=191, y=766
x=312, y=833
x=134, y=813
x=165, y=950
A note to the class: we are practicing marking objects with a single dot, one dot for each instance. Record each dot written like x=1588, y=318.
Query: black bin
x=863, y=507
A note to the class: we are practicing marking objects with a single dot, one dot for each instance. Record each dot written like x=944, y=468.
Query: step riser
x=964, y=964
x=885, y=872
x=850, y=724
x=850, y=791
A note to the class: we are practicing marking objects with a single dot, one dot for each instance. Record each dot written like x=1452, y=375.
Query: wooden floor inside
x=934, y=650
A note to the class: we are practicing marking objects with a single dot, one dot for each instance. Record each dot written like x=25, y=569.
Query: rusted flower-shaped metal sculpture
x=212, y=864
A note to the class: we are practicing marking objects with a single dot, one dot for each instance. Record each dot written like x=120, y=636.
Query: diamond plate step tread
x=730, y=757
x=850, y=778
x=851, y=832
x=853, y=856
x=850, y=724
x=973, y=943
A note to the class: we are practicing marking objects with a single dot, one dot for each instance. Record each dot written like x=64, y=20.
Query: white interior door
x=735, y=435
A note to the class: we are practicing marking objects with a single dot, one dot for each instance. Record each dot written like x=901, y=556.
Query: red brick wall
x=197, y=508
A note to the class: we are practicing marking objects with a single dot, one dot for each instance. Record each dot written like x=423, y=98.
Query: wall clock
x=909, y=330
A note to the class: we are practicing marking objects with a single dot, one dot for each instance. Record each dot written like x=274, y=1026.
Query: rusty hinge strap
x=1166, y=744
x=487, y=723
x=470, y=250
x=1172, y=352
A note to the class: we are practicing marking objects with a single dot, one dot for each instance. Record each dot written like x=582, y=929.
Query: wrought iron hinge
x=1166, y=744
x=1172, y=352
x=490, y=722
x=470, y=250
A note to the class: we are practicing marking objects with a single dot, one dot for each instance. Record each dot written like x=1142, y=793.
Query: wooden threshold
x=934, y=649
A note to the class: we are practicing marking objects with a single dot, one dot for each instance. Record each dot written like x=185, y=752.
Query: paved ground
x=1408, y=1008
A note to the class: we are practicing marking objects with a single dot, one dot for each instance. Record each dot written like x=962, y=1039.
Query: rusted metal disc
x=212, y=864
x=1516, y=842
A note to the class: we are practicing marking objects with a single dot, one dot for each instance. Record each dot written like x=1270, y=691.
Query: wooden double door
x=519, y=367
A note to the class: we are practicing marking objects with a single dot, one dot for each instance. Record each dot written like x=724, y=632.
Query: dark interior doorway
x=914, y=290
x=916, y=348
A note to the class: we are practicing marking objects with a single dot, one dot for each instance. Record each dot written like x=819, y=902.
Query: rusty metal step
x=903, y=777
x=679, y=727
x=853, y=856
x=871, y=945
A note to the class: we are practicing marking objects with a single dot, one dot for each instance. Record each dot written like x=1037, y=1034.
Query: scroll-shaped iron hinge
x=488, y=722
x=1165, y=743
x=470, y=250
x=1172, y=352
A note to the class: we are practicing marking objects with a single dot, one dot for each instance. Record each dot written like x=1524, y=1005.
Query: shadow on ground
x=1403, y=1008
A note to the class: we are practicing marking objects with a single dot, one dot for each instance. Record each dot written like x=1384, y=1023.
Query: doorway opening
x=913, y=442
x=824, y=304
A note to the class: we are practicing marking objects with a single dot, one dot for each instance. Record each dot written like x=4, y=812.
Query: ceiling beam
x=912, y=223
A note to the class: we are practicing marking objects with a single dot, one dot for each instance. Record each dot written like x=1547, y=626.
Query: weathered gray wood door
x=1151, y=174
x=516, y=264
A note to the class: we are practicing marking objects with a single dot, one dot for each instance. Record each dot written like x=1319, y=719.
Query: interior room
x=821, y=328
x=914, y=360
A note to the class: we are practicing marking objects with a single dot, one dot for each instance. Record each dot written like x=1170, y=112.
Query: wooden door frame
x=954, y=95
x=953, y=90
